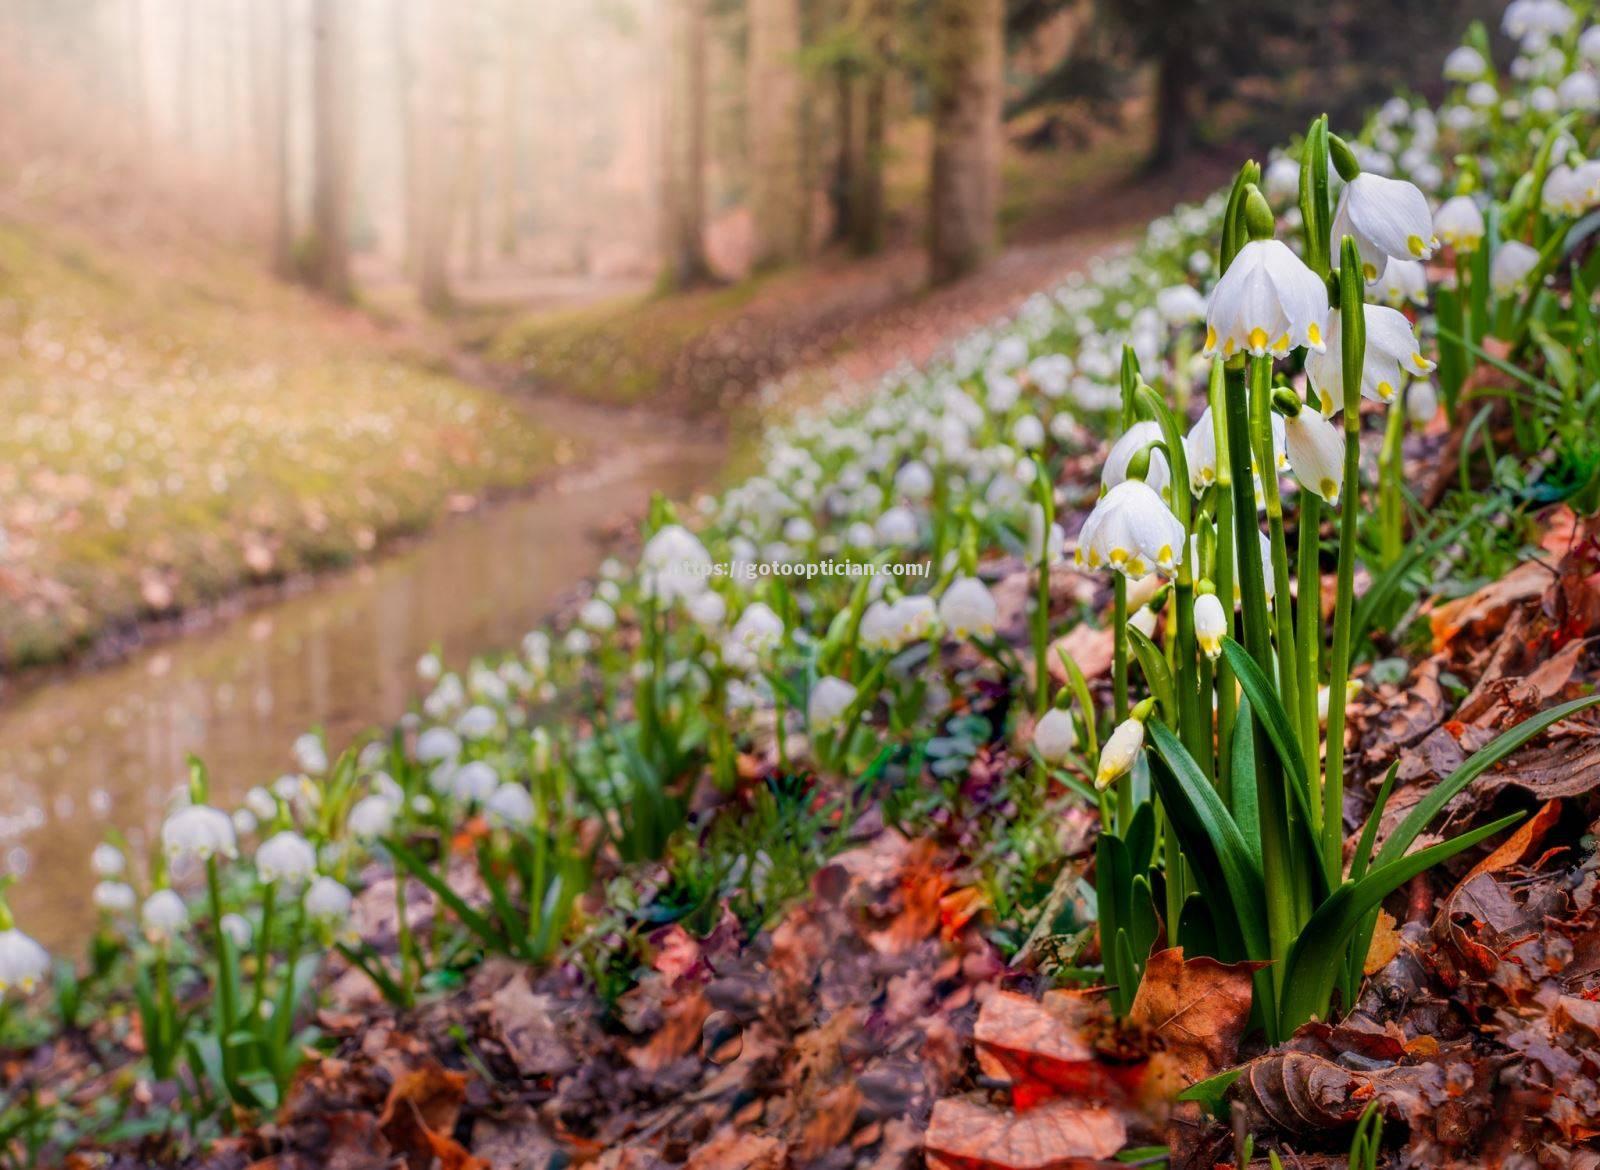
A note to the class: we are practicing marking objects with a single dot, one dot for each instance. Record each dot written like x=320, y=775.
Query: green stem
x=269, y=900
x=1391, y=512
x=227, y=1010
x=1308, y=626
x=1283, y=608
x=1119, y=646
x=1223, y=577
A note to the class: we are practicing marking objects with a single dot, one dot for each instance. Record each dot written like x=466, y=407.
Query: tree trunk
x=685, y=73
x=1173, y=78
x=404, y=83
x=778, y=196
x=433, y=212
x=966, y=77
x=275, y=82
x=843, y=186
x=330, y=197
x=508, y=146
x=866, y=201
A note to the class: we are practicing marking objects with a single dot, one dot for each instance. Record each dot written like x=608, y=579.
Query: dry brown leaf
x=1384, y=947
x=1040, y=1046
x=1088, y=647
x=678, y=1035
x=1057, y=1135
x=1198, y=1007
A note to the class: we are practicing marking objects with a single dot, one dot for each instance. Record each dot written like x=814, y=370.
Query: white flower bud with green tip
x=1054, y=736
x=828, y=702
x=1422, y=402
x=1316, y=453
x=1509, y=268
x=1122, y=748
x=1210, y=624
x=1131, y=531
x=1459, y=224
x=1387, y=218
x=1391, y=349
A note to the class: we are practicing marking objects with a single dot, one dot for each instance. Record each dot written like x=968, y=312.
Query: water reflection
x=109, y=748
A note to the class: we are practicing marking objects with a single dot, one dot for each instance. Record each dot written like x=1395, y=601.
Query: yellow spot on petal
x=1415, y=245
x=1281, y=345
x=1385, y=391
x=1370, y=271
x=1421, y=362
x=1258, y=338
x=1329, y=491
x=1327, y=402
x=1211, y=339
x=1314, y=334
x=1118, y=556
x=1164, y=554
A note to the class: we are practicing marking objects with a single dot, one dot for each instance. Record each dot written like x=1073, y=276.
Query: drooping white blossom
x=1267, y=302
x=1387, y=218
x=1391, y=351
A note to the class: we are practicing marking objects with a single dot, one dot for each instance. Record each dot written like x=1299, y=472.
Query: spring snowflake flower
x=1579, y=91
x=1041, y=544
x=199, y=832
x=114, y=897
x=1130, y=530
x=1391, y=348
x=674, y=565
x=1267, y=302
x=24, y=964
x=327, y=901
x=1200, y=452
x=1386, y=218
x=163, y=916
x=1459, y=223
x=372, y=816
x=758, y=628
x=438, y=744
x=1135, y=439
x=1182, y=304
x=914, y=481
x=1512, y=262
x=1121, y=749
x=429, y=667
x=597, y=615
x=286, y=857
x=1210, y=624
x=1589, y=44
x=829, y=701
x=968, y=608
x=1054, y=736
x=477, y=722
x=1403, y=282
x=1027, y=433
x=1143, y=620
x=1464, y=63
x=1281, y=183
x=708, y=609
x=1316, y=453
x=107, y=861
x=1422, y=402
x=1570, y=190
x=474, y=782
x=510, y=806
x=238, y=929
x=310, y=755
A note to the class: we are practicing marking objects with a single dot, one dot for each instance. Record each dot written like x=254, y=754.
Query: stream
x=108, y=747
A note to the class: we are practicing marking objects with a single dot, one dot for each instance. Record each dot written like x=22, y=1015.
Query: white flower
x=114, y=897
x=429, y=667
x=1182, y=304
x=1027, y=433
x=1459, y=223
x=238, y=929
x=1142, y=590
x=107, y=861
x=437, y=744
x=1135, y=439
x=1131, y=531
x=1281, y=183
x=1055, y=735
x=1391, y=347
x=597, y=615
x=1267, y=302
x=199, y=831
x=829, y=700
x=1513, y=261
x=1402, y=282
x=897, y=527
x=261, y=803
x=1143, y=620
x=1422, y=402
x=674, y=565
x=1571, y=190
x=1120, y=751
x=968, y=608
x=1464, y=63
x=372, y=816
x=758, y=628
x=708, y=609
x=164, y=915
x=1041, y=544
x=1316, y=453
x=1589, y=44
x=310, y=755
x=327, y=901
x=474, y=782
x=1210, y=624
x=477, y=721
x=286, y=857
x=1579, y=91
x=1386, y=218
x=914, y=481
x=1482, y=95
x=24, y=964
x=510, y=806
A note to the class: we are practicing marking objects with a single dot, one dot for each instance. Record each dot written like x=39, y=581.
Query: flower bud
x=1210, y=624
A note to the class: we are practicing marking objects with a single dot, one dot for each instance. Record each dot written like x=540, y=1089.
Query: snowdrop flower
x=1459, y=223
x=437, y=744
x=1123, y=746
x=1134, y=440
x=1422, y=402
x=199, y=832
x=1391, y=348
x=163, y=916
x=1182, y=304
x=328, y=901
x=1386, y=218
x=474, y=782
x=107, y=861
x=238, y=929
x=310, y=755
x=286, y=857
x=829, y=701
x=1281, y=183
x=1267, y=302
x=1054, y=736
x=114, y=898
x=1513, y=261
x=1316, y=453
x=24, y=964
x=510, y=807
x=1402, y=282
x=674, y=565
x=1464, y=63
x=1210, y=624
x=372, y=816
x=1130, y=530
x=1579, y=91
x=968, y=608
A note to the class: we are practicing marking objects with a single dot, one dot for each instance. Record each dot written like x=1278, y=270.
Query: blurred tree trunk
x=469, y=60
x=330, y=198
x=1174, y=75
x=434, y=185
x=966, y=77
x=777, y=182
x=404, y=83
x=275, y=87
x=866, y=201
x=138, y=97
x=685, y=75
x=507, y=139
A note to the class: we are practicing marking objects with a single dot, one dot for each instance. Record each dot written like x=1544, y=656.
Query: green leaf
x=1244, y=798
x=1369, y=831
x=1210, y=1093
x=1316, y=958
x=470, y=918
x=1156, y=671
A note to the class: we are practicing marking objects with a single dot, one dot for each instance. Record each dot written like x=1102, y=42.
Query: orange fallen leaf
x=1042, y=1048
x=1058, y=1135
x=1198, y=1007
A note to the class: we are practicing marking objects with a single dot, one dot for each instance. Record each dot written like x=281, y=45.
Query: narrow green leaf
x=1156, y=671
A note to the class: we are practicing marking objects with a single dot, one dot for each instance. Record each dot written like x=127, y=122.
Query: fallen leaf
x=1058, y=1135
x=1197, y=1007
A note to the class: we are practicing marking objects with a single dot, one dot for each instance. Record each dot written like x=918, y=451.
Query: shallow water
x=107, y=748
